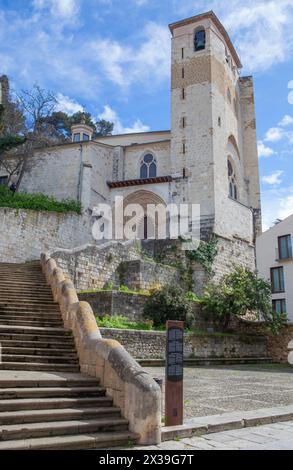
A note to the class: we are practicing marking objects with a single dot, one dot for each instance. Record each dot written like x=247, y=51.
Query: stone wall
x=152, y=345
x=24, y=234
x=93, y=267
x=141, y=274
x=277, y=345
x=116, y=303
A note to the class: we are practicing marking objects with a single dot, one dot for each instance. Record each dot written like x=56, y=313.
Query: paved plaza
x=278, y=436
x=222, y=389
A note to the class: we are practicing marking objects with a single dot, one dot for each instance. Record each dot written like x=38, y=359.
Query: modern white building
x=275, y=264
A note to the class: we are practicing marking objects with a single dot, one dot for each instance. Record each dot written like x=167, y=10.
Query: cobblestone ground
x=221, y=389
x=277, y=436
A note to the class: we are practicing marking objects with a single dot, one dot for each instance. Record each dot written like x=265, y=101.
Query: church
x=208, y=157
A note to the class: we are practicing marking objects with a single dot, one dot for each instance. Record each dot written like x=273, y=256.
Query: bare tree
x=35, y=106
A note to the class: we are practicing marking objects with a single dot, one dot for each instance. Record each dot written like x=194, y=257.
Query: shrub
x=239, y=293
x=170, y=303
x=36, y=202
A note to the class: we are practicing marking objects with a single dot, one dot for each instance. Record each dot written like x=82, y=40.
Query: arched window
x=148, y=167
x=200, y=40
x=233, y=191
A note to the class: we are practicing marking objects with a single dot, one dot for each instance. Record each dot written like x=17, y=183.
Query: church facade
x=208, y=157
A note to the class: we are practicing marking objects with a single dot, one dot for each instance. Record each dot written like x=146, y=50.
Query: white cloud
x=67, y=105
x=110, y=115
x=65, y=10
x=264, y=151
x=286, y=207
x=261, y=29
x=146, y=63
x=290, y=96
x=286, y=121
x=275, y=134
x=274, y=178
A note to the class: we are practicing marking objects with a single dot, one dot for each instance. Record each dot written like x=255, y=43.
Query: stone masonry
x=152, y=344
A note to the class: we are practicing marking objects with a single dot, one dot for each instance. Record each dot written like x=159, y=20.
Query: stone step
x=29, y=366
x=40, y=323
x=43, y=359
x=51, y=392
x=78, y=442
x=26, y=298
x=39, y=416
x=30, y=307
x=22, y=301
x=22, y=284
x=21, y=351
x=61, y=428
x=26, y=289
x=47, y=381
x=35, y=331
x=41, y=345
x=37, y=315
x=54, y=403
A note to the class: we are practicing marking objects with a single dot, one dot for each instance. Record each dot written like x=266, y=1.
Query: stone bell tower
x=214, y=146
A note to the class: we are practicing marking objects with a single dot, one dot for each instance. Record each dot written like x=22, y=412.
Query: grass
x=120, y=322
x=122, y=289
x=123, y=323
x=36, y=202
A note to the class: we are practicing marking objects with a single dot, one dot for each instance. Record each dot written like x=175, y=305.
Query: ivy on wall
x=205, y=254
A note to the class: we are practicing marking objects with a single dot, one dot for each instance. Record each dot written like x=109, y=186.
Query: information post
x=174, y=374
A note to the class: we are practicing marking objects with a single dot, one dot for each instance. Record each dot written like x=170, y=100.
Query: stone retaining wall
x=116, y=303
x=277, y=345
x=141, y=274
x=24, y=234
x=152, y=344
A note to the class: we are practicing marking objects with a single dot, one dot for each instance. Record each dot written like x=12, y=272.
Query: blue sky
x=113, y=57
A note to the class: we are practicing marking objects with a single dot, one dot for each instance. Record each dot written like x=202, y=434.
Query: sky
x=112, y=57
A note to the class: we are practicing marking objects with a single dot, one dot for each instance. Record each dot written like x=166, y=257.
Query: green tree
x=170, y=303
x=104, y=128
x=239, y=293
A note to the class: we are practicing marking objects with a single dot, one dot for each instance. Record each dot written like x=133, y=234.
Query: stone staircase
x=45, y=402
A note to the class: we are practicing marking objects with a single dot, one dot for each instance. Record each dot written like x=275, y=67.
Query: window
x=182, y=52
x=183, y=93
x=184, y=148
x=148, y=168
x=279, y=306
x=3, y=180
x=233, y=191
x=277, y=280
x=200, y=40
x=85, y=137
x=183, y=122
x=183, y=72
x=285, y=247
x=229, y=95
x=76, y=138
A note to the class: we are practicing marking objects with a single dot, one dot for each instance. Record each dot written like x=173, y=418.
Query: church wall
x=198, y=188
x=55, y=173
x=133, y=157
x=130, y=139
x=101, y=159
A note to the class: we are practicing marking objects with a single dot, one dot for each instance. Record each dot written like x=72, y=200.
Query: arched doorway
x=149, y=225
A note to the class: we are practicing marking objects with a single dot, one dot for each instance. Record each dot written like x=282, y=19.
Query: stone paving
x=221, y=389
x=277, y=436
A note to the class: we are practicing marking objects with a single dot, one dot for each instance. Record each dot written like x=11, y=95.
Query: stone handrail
x=132, y=389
